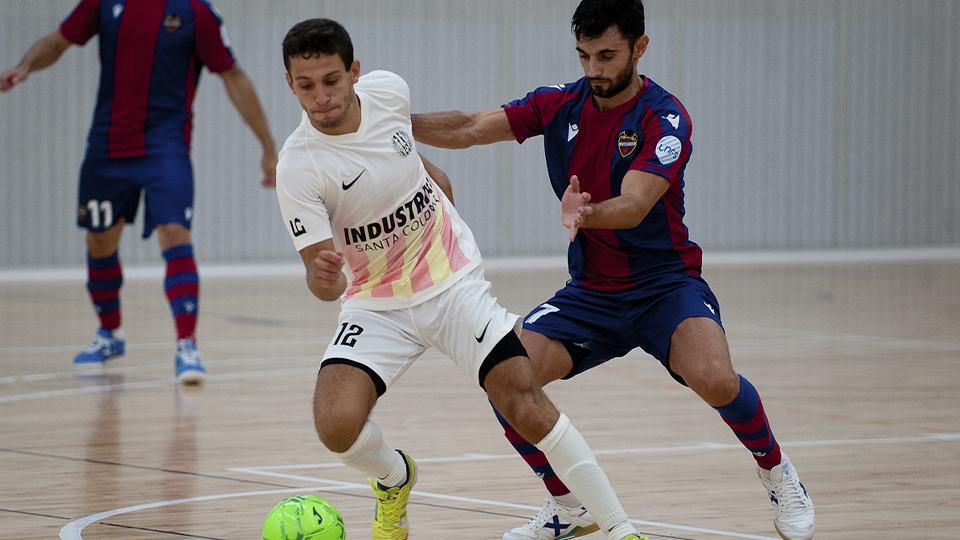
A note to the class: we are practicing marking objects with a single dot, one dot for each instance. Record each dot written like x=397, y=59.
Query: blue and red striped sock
x=182, y=285
x=534, y=458
x=749, y=423
x=104, y=278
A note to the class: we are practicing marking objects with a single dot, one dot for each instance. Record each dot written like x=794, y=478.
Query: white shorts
x=463, y=322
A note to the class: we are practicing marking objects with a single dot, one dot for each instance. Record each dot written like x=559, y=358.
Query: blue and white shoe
x=188, y=367
x=105, y=345
x=793, y=512
x=555, y=522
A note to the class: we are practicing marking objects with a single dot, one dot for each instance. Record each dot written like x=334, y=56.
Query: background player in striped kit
x=151, y=54
x=373, y=228
x=635, y=274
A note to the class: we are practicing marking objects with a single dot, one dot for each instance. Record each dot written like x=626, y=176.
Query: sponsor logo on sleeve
x=297, y=228
x=668, y=149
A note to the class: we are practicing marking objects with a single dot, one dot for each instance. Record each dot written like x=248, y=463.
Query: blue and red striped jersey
x=650, y=133
x=151, y=56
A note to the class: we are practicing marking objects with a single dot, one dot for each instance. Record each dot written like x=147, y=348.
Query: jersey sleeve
x=83, y=22
x=212, y=43
x=300, y=194
x=528, y=115
x=390, y=87
x=666, y=144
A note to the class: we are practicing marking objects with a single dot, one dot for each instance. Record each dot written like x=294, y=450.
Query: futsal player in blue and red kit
x=152, y=53
x=616, y=146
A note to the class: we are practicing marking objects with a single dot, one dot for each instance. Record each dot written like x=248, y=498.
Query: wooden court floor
x=858, y=365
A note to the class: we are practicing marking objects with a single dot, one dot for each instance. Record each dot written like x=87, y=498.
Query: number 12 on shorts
x=541, y=311
x=348, y=334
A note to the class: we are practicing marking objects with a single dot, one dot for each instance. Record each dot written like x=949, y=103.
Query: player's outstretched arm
x=324, y=276
x=638, y=193
x=244, y=98
x=440, y=177
x=455, y=129
x=45, y=52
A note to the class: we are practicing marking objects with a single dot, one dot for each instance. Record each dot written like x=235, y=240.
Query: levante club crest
x=627, y=142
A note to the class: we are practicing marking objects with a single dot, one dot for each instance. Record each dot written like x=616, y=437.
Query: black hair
x=593, y=17
x=315, y=37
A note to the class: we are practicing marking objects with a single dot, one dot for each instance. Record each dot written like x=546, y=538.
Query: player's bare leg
x=563, y=515
x=104, y=279
x=699, y=354
x=342, y=401
x=182, y=286
x=549, y=358
x=515, y=392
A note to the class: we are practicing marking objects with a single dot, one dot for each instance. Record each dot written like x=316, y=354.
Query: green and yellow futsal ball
x=304, y=517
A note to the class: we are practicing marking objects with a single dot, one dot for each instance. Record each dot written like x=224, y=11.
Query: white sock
x=576, y=466
x=371, y=454
x=569, y=500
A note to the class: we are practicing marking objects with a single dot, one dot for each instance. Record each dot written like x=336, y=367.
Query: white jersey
x=402, y=240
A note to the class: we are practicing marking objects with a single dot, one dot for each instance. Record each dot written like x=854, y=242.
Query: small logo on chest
x=402, y=143
x=171, y=23
x=627, y=142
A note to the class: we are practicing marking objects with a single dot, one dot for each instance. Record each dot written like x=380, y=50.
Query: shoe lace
x=388, y=511
x=99, y=343
x=789, y=494
x=187, y=353
x=543, y=516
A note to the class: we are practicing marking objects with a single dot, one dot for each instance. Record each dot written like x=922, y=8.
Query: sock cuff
x=744, y=406
x=178, y=252
x=370, y=432
x=103, y=262
x=550, y=441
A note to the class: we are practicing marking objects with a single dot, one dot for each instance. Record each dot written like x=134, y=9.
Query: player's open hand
x=12, y=77
x=326, y=267
x=574, y=207
x=269, y=165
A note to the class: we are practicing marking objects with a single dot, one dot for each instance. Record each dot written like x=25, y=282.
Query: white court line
x=153, y=366
x=268, y=470
x=148, y=345
x=73, y=529
x=154, y=384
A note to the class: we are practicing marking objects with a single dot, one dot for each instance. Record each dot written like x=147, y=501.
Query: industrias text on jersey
x=406, y=219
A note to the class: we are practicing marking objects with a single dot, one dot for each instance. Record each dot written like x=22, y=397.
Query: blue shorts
x=601, y=326
x=110, y=189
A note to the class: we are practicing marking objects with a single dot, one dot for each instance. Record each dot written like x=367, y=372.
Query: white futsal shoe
x=793, y=514
x=555, y=522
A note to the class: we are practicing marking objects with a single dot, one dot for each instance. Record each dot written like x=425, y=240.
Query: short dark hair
x=315, y=37
x=593, y=17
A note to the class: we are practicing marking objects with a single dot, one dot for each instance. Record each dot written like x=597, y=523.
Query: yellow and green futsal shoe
x=390, y=518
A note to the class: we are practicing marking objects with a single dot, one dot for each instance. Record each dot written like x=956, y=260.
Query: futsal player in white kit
x=375, y=231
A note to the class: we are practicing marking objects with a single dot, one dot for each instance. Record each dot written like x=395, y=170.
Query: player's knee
x=715, y=382
x=508, y=348
x=104, y=243
x=172, y=234
x=337, y=427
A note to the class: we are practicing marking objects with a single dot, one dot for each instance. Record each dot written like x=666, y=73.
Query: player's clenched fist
x=326, y=267
x=13, y=77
